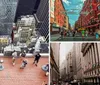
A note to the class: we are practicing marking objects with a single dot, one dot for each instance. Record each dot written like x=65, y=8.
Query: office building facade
x=91, y=55
x=42, y=19
x=7, y=15
x=54, y=63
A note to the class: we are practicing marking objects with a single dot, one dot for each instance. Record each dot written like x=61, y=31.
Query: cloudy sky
x=73, y=8
x=64, y=49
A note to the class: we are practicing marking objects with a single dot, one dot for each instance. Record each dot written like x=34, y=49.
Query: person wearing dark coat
x=37, y=58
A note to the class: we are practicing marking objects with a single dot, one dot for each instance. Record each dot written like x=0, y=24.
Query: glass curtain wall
x=7, y=15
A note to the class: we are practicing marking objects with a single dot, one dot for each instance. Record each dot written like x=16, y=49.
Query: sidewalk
x=29, y=55
x=54, y=37
x=31, y=75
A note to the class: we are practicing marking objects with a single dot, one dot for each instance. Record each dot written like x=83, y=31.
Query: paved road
x=31, y=75
x=55, y=37
x=76, y=38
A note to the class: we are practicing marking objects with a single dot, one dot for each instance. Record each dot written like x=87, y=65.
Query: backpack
x=37, y=56
x=25, y=62
x=23, y=54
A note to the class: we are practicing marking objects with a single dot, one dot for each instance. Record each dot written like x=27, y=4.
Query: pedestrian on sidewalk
x=83, y=33
x=86, y=33
x=65, y=33
x=24, y=63
x=45, y=68
x=14, y=55
x=96, y=35
x=23, y=54
x=78, y=83
x=47, y=72
x=73, y=33
x=61, y=33
x=23, y=60
x=44, y=83
x=37, y=58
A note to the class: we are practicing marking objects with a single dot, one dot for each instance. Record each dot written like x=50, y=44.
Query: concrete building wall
x=70, y=69
x=54, y=62
x=7, y=15
x=75, y=62
x=91, y=57
x=74, y=59
x=52, y=7
x=59, y=15
x=79, y=61
x=63, y=70
x=56, y=52
x=42, y=17
x=67, y=23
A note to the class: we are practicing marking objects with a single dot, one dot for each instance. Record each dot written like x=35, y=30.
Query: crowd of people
x=24, y=61
x=73, y=33
x=23, y=58
x=82, y=33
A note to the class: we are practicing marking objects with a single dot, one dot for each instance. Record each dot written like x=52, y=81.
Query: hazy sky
x=73, y=8
x=64, y=49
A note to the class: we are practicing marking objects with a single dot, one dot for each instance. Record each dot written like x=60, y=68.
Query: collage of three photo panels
x=74, y=42
x=50, y=42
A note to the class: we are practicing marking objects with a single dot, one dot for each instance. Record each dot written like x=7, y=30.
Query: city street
x=76, y=39
x=30, y=75
x=75, y=63
x=75, y=18
x=57, y=37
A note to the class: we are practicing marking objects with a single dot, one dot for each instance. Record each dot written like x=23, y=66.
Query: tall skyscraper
x=42, y=18
x=7, y=15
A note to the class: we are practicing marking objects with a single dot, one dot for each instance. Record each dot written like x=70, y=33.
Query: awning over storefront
x=65, y=28
x=81, y=29
x=55, y=25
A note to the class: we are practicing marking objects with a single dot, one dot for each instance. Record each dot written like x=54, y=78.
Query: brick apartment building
x=89, y=18
x=58, y=16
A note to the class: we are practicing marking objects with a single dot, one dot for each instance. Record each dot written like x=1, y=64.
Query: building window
x=98, y=0
x=90, y=7
x=99, y=7
x=99, y=16
x=90, y=1
x=90, y=13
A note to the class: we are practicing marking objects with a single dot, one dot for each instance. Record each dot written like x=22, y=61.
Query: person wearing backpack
x=23, y=60
x=23, y=54
x=24, y=63
x=14, y=55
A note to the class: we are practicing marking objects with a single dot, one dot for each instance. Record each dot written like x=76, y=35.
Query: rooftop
x=31, y=75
